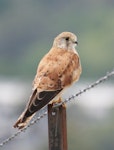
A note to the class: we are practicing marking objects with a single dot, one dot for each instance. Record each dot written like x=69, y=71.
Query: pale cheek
x=76, y=75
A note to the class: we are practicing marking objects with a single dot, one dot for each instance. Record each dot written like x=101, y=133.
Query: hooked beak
x=76, y=42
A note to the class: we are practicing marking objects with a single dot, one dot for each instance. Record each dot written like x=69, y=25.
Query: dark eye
x=67, y=38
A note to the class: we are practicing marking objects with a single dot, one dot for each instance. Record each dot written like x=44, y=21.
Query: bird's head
x=66, y=40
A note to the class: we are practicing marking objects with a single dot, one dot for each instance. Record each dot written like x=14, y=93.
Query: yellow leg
x=58, y=102
x=64, y=105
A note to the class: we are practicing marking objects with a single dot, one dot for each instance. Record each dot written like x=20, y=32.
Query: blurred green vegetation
x=27, y=30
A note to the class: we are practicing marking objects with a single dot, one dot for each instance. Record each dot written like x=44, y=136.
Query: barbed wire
x=41, y=115
x=102, y=79
x=44, y=110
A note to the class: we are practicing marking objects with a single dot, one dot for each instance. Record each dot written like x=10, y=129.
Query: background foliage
x=27, y=30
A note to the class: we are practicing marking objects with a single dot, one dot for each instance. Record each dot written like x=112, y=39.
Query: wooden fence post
x=57, y=130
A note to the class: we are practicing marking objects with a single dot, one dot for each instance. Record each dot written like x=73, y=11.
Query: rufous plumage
x=58, y=69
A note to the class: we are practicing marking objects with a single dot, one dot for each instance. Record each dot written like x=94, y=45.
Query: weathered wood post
x=57, y=129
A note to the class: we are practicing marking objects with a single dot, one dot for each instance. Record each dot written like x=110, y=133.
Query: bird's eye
x=67, y=38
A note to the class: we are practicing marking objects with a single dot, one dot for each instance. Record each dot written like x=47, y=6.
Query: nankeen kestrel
x=58, y=69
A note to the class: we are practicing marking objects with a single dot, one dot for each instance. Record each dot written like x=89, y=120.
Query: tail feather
x=22, y=121
x=36, y=102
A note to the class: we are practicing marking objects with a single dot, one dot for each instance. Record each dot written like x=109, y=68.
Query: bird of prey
x=58, y=69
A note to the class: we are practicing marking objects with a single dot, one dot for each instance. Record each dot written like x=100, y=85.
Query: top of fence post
x=57, y=127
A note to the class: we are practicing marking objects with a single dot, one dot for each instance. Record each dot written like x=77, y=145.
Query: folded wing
x=36, y=102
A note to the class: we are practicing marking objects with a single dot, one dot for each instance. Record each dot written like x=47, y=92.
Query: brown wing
x=37, y=101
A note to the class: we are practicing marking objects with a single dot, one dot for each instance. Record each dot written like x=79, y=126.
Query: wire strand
x=102, y=79
x=44, y=110
x=42, y=115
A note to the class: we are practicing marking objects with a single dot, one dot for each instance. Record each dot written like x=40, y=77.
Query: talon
x=64, y=105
